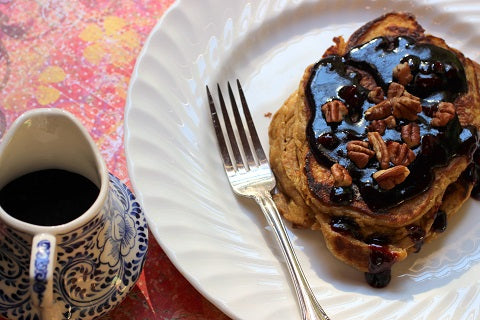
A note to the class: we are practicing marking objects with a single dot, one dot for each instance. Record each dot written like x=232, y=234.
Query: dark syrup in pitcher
x=48, y=197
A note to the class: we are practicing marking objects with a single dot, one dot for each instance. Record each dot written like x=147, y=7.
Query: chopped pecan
x=402, y=73
x=406, y=108
x=376, y=95
x=411, y=134
x=396, y=90
x=390, y=122
x=381, y=125
x=400, y=153
x=379, y=111
x=367, y=81
x=359, y=152
x=340, y=175
x=334, y=111
x=411, y=96
x=377, y=125
x=380, y=149
x=387, y=179
x=444, y=113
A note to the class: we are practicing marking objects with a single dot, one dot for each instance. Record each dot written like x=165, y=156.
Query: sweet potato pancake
x=377, y=146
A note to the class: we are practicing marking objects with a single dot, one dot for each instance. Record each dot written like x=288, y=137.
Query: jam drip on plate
x=380, y=266
x=339, y=95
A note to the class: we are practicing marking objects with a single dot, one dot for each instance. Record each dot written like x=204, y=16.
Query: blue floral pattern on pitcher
x=119, y=238
x=86, y=285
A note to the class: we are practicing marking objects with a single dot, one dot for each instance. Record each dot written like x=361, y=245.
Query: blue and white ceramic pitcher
x=79, y=269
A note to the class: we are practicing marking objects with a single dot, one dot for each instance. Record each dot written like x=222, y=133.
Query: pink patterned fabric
x=79, y=56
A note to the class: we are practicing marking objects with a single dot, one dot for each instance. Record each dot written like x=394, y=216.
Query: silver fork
x=249, y=174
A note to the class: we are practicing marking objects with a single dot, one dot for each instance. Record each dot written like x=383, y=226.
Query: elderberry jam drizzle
x=440, y=222
x=417, y=235
x=346, y=226
x=379, y=266
x=475, y=175
x=438, y=76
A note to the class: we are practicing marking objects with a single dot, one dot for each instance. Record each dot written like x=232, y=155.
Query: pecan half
x=381, y=125
x=380, y=149
x=359, y=152
x=340, y=175
x=402, y=73
x=400, y=153
x=334, y=111
x=406, y=108
x=376, y=95
x=411, y=134
x=387, y=179
x=444, y=113
x=379, y=111
x=390, y=122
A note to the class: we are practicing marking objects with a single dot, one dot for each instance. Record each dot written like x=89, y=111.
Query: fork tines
x=245, y=152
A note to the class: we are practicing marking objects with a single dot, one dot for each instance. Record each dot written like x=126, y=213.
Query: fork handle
x=311, y=309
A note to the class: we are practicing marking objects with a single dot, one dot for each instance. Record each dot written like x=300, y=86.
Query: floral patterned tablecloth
x=79, y=56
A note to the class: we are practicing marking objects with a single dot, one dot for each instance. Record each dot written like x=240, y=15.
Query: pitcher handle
x=42, y=263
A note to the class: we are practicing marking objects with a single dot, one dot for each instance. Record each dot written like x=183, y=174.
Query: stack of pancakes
x=375, y=148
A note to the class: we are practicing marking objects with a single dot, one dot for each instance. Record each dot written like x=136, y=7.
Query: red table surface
x=79, y=56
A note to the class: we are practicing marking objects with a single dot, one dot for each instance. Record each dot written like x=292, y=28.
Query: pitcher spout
x=45, y=138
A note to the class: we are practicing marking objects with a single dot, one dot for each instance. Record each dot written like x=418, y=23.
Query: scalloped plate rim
x=132, y=167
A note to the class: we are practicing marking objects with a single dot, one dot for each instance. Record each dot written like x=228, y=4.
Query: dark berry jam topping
x=380, y=279
x=377, y=239
x=437, y=73
x=417, y=235
x=436, y=76
x=345, y=226
x=440, y=222
x=475, y=175
x=381, y=259
x=342, y=195
x=379, y=266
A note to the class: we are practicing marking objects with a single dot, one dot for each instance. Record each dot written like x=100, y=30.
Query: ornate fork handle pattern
x=249, y=174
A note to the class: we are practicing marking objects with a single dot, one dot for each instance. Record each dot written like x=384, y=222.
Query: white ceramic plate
x=220, y=242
